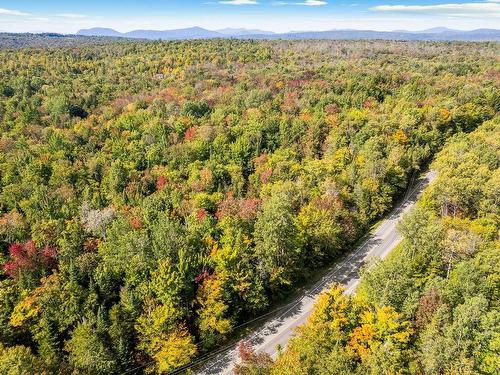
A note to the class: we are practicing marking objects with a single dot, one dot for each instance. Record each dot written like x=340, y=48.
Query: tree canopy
x=432, y=306
x=155, y=195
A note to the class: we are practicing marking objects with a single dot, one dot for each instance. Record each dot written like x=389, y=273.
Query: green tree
x=276, y=240
x=18, y=360
x=88, y=352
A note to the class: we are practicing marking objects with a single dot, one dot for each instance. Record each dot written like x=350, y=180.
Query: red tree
x=27, y=257
x=161, y=182
x=251, y=362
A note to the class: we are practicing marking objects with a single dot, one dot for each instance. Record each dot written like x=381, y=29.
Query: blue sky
x=276, y=15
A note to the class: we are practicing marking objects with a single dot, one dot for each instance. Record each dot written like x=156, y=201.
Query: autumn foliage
x=27, y=257
x=154, y=195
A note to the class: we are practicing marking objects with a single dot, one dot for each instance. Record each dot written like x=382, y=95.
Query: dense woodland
x=51, y=40
x=433, y=306
x=154, y=195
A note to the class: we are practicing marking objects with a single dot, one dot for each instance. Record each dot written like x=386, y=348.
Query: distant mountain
x=437, y=34
x=189, y=33
x=242, y=32
x=433, y=35
x=447, y=31
x=492, y=32
x=99, y=31
x=437, y=30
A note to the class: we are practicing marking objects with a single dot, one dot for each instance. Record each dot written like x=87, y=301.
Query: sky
x=68, y=16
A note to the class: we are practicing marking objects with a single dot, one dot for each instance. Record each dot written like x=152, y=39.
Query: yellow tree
x=213, y=320
x=378, y=330
x=323, y=337
x=331, y=311
x=164, y=338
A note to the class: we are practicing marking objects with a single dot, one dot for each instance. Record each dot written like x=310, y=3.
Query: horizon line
x=246, y=29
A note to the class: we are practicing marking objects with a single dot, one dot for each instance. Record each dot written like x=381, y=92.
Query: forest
x=433, y=306
x=155, y=195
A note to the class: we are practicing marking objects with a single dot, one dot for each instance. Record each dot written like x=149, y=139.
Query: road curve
x=280, y=327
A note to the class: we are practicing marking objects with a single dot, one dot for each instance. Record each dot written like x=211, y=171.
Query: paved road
x=279, y=328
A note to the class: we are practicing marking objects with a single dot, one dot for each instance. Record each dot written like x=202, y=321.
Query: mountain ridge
x=242, y=31
x=436, y=33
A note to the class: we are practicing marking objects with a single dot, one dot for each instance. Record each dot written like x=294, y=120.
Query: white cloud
x=239, y=2
x=43, y=19
x=12, y=12
x=308, y=3
x=71, y=15
x=485, y=9
x=312, y=3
